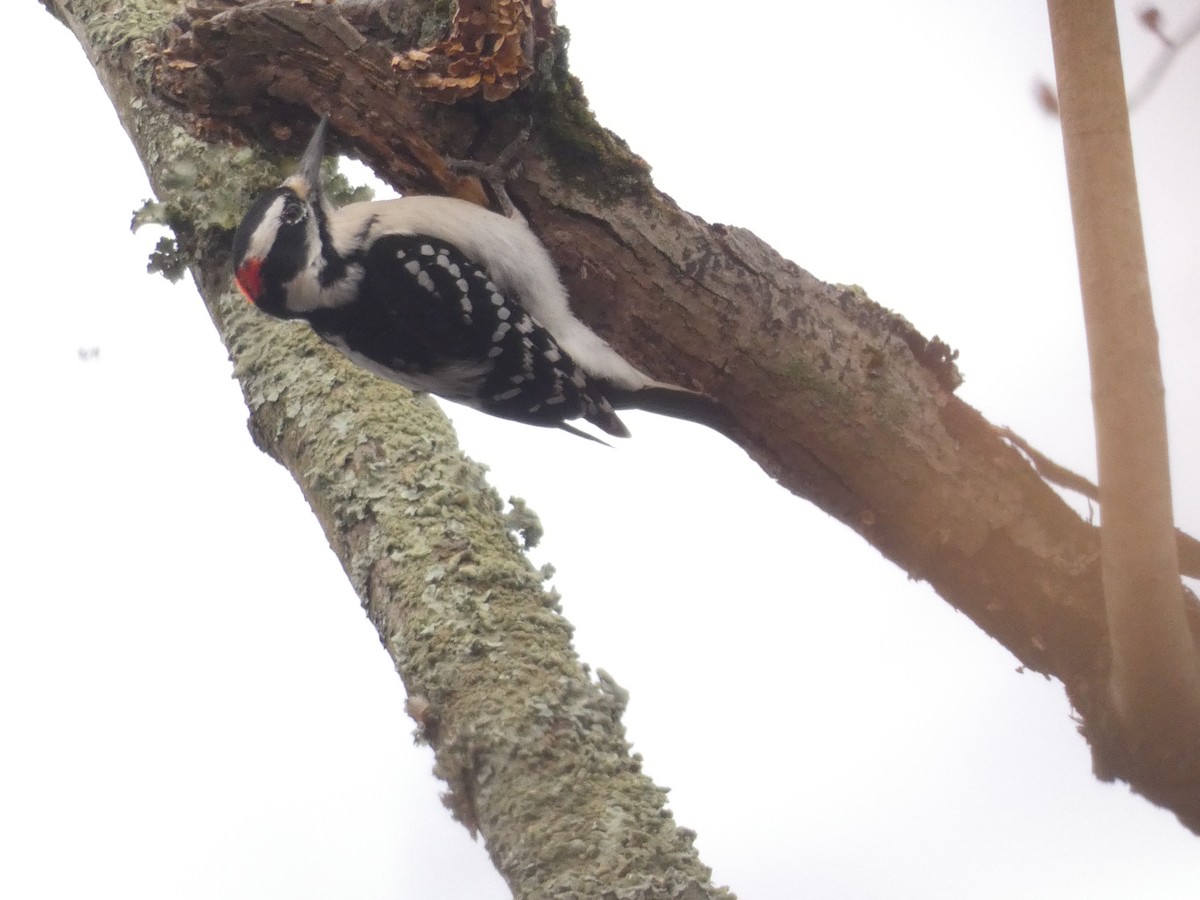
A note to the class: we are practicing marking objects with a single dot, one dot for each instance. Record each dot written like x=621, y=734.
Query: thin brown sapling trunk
x=1155, y=680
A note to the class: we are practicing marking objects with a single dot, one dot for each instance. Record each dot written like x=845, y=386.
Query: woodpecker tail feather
x=676, y=402
x=571, y=429
x=601, y=414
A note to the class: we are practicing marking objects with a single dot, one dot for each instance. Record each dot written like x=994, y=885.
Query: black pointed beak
x=307, y=179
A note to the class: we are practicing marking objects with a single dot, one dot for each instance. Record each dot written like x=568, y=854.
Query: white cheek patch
x=264, y=235
x=304, y=290
x=306, y=293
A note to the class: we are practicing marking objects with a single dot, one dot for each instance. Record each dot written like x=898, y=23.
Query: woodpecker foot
x=497, y=173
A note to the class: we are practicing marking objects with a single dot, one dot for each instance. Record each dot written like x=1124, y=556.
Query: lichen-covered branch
x=840, y=399
x=530, y=746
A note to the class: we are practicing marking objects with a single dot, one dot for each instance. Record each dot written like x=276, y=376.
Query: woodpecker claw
x=497, y=173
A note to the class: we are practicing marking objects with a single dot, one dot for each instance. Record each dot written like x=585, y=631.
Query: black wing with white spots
x=432, y=320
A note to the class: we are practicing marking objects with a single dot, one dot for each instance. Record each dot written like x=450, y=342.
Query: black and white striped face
x=277, y=241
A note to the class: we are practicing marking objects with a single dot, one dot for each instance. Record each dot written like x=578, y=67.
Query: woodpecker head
x=282, y=236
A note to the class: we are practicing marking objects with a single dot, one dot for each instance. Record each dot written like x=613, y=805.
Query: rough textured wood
x=839, y=399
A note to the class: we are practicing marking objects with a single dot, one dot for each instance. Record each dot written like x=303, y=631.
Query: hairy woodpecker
x=443, y=296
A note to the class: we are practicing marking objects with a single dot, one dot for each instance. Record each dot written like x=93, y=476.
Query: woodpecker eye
x=293, y=212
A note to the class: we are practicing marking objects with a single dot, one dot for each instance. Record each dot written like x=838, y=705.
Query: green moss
x=578, y=146
x=435, y=23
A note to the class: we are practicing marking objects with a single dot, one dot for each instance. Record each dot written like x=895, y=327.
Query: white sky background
x=192, y=704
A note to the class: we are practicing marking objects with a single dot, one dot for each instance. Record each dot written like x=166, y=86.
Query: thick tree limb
x=839, y=399
x=1187, y=547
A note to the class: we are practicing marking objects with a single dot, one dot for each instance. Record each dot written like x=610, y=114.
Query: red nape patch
x=249, y=279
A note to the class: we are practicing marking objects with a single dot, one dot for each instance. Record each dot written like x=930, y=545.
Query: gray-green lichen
x=126, y=27
x=200, y=188
x=523, y=521
x=531, y=749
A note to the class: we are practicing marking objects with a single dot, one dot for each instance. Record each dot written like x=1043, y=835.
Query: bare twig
x=1172, y=47
x=1059, y=475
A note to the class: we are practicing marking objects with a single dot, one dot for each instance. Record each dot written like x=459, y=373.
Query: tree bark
x=840, y=400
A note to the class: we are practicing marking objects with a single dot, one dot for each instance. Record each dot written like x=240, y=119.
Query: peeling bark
x=839, y=399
